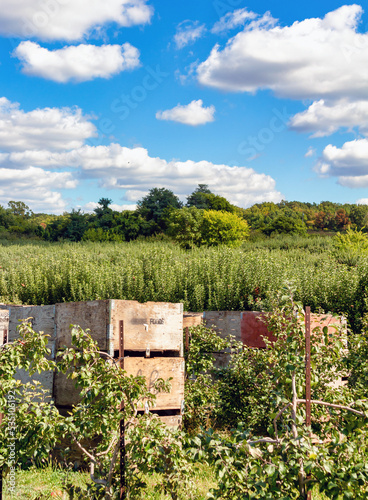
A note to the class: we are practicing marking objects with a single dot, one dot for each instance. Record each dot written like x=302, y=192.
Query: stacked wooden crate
x=152, y=337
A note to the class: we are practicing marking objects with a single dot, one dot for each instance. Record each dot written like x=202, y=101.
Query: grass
x=47, y=484
x=43, y=484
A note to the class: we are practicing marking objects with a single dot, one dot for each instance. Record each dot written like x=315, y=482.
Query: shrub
x=223, y=228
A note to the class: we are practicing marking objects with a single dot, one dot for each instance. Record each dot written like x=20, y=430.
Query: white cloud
x=32, y=143
x=76, y=63
x=91, y=205
x=188, y=32
x=349, y=163
x=362, y=201
x=35, y=187
x=315, y=58
x=323, y=118
x=311, y=152
x=54, y=128
x=119, y=167
x=68, y=19
x=192, y=114
x=232, y=20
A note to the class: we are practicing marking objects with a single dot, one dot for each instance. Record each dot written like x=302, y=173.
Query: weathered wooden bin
x=152, y=339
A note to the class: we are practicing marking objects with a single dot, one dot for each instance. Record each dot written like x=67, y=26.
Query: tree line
x=205, y=219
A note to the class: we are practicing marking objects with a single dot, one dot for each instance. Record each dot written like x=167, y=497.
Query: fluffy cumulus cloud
x=324, y=118
x=35, y=187
x=315, y=58
x=68, y=19
x=133, y=169
x=349, y=163
x=193, y=114
x=58, y=129
x=232, y=20
x=77, y=63
x=188, y=32
x=44, y=151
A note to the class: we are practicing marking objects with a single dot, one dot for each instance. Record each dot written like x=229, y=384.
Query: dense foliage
x=160, y=212
x=284, y=462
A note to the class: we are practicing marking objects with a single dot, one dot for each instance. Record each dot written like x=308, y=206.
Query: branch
x=94, y=479
x=294, y=406
x=338, y=407
x=278, y=416
x=264, y=440
x=108, y=449
x=112, y=465
x=114, y=361
x=91, y=457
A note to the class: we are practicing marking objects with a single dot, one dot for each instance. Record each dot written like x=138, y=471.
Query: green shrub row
x=203, y=279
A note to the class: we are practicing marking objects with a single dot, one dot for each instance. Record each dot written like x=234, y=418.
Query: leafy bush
x=223, y=228
x=244, y=390
x=349, y=247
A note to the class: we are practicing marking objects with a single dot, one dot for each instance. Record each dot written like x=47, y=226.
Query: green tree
x=203, y=198
x=19, y=208
x=358, y=215
x=185, y=226
x=286, y=222
x=104, y=215
x=198, y=198
x=155, y=206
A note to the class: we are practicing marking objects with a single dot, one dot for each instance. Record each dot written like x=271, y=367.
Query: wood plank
x=225, y=323
x=192, y=319
x=172, y=421
x=253, y=329
x=93, y=315
x=154, y=368
x=157, y=326
x=42, y=319
x=46, y=378
x=65, y=391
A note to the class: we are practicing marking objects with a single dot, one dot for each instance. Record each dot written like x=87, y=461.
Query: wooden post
x=123, y=485
x=308, y=418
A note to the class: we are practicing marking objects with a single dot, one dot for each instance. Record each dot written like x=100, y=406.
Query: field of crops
x=203, y=279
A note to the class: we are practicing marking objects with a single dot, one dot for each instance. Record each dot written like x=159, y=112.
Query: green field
x=203, y=279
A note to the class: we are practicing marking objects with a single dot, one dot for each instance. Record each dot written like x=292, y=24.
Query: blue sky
x=262, y=101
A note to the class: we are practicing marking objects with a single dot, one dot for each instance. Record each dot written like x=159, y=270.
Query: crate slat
x=155, y=368
x=157, y=326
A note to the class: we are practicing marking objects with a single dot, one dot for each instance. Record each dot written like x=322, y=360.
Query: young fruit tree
x=292, y=458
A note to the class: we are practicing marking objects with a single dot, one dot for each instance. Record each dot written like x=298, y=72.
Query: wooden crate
x=157, y=326
x=154, y=368
x=92, y=315
x=224, y=322
x=192, y=319
x=149, y=328
x=253, y=329
x=42, y=320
